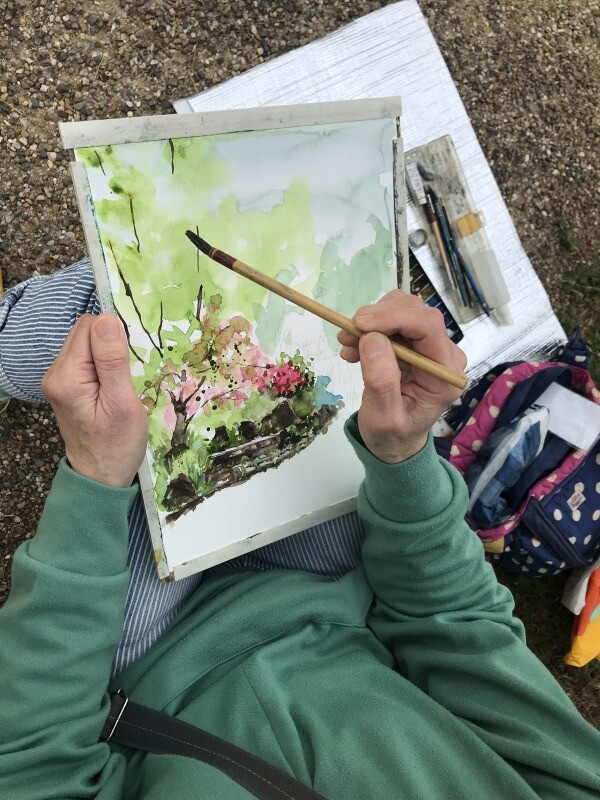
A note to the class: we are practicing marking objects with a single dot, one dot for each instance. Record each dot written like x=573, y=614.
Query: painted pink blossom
x=282, y=379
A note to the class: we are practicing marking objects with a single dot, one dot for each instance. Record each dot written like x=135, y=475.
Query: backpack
x=550, y=514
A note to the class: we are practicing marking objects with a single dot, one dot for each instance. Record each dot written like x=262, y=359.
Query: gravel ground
x=528, y=74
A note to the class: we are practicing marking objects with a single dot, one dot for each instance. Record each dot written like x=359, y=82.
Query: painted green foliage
x=223, y=403
x=163, y=204
x=337, y=279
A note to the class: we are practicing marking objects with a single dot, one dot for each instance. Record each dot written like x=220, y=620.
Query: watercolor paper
x=246, y=393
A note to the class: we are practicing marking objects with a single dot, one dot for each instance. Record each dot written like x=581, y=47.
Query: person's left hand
x=101, y=418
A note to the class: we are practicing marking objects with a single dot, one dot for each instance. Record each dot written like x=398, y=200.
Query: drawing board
x=246, y=394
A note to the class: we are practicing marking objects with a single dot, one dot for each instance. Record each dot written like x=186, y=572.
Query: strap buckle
x=119, y=702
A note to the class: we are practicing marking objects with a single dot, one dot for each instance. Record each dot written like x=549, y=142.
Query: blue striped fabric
x=35, y=318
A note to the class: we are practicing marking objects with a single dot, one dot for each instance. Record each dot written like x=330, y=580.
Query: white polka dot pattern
x=565, y=508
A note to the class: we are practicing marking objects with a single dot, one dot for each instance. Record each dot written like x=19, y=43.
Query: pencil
x=324, y=312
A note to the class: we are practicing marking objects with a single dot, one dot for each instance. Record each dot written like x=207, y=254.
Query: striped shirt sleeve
x=35, y=318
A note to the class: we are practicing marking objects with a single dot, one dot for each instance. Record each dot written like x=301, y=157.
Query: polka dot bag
x=552, y=510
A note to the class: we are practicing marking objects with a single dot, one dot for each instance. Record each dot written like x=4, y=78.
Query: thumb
x=109, y=351
x=381, y=373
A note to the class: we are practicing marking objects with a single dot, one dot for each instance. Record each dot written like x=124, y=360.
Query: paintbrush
x=324, y=312
x=421, y=196
x=435, y=229
x=448, y=242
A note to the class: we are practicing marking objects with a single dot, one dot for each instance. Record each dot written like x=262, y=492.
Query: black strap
x=132, y=725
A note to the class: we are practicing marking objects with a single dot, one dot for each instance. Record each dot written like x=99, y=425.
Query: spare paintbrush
x=324, y=312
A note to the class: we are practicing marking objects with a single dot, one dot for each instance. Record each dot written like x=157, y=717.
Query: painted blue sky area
x=345, y=166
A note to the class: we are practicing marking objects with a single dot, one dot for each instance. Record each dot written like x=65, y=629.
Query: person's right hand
x=400, y=403
x=101, y=419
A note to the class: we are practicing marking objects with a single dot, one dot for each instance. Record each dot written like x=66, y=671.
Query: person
x=402, y=676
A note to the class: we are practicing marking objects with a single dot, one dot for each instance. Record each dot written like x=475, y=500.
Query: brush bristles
x=200, y=243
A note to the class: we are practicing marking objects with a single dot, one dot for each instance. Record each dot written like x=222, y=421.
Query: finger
x=392, y=317
x=347, y=339
x=381, y=376
x=77, y=342
x=403, y=298
x=350, y=354
x=397, y=297
x=424, y=327
x=73, y=366
x=110, y=354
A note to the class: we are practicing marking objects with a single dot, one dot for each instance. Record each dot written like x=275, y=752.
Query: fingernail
x=107, y=328
x=373, y=344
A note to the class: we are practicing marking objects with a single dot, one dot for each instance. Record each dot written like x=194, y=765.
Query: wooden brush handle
x=457, y=379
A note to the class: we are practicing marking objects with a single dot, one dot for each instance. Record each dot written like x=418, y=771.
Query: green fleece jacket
x=409, y=678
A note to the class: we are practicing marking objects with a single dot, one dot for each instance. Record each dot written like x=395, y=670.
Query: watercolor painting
x=236, y=381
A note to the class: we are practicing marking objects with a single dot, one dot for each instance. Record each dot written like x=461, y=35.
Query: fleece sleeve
x=450, y=626
x=58, y=632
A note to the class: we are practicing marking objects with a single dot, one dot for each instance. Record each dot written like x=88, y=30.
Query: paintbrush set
x=455, y=231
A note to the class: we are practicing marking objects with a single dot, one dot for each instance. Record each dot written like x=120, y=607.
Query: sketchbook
x=246, y=394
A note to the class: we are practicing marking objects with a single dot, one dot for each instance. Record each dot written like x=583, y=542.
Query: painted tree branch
x=172, y=148
x=129, y=294
x=199, y=302
x=119, y=315
x=97, y=154
x=214, y=397
x=137, y=238
x=191, y=394
x=160, y=324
